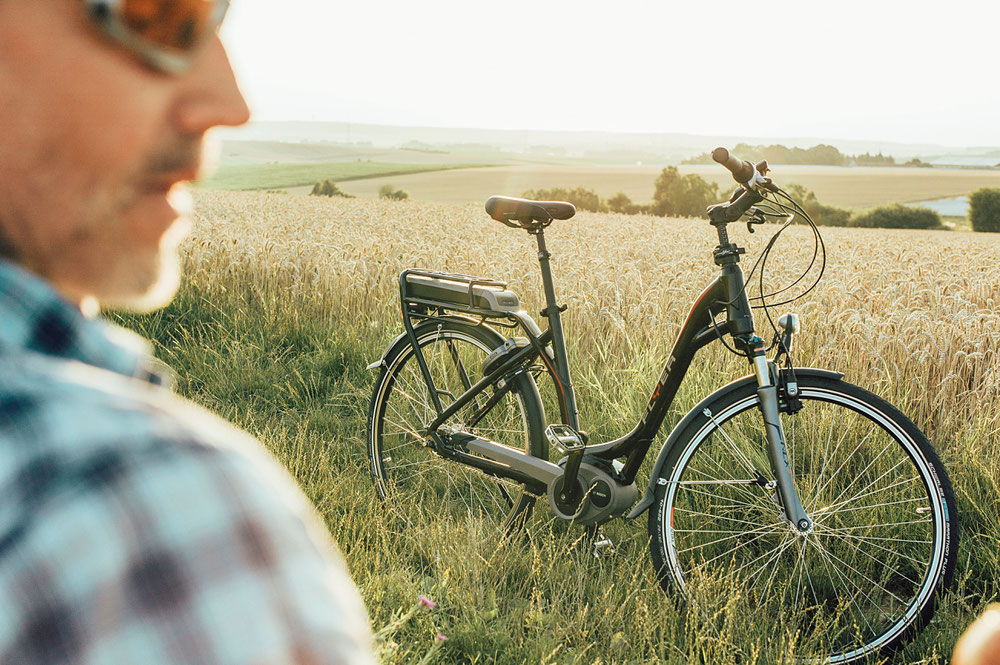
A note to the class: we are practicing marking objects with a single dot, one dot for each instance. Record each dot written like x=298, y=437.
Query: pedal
x=565, y=439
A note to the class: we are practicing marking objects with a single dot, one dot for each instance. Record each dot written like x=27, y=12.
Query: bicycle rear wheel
x=413, y=479
x=884, y=539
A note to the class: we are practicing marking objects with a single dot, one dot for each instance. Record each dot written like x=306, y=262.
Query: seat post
x=553, y=312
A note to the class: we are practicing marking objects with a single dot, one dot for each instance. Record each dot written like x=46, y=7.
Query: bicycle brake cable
x=819, y=250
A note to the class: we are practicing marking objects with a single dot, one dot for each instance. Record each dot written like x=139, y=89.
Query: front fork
x=777, y=450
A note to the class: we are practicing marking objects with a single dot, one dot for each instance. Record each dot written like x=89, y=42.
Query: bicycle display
x=813, y=496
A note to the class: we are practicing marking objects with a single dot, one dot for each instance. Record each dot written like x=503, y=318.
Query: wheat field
x=287, y=299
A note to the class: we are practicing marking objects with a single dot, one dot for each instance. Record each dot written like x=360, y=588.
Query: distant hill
x=236, y=153
x=617, y=147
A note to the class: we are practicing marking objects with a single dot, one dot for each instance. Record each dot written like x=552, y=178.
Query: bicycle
x=790, y=484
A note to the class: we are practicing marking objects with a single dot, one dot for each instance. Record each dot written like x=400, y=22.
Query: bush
x=583, y=199
x=328, y=188
x=897, y=216
x=823, y=215
x=984, y=209
x=621, y=203
x=387, y=192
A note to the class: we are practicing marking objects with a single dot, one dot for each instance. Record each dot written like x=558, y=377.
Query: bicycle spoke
x=730, y=500
x=830, y=574
x=866, y=578
x=827, y=455
x=844, y=463
x=920, y=499
x=871, y=539
x=721, y=540
x=898, y=483
x=734, y=549
x=862, y=472
x=728, y=519
x=857, y=549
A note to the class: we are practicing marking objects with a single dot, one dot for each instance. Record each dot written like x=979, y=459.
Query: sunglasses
x=166, y=34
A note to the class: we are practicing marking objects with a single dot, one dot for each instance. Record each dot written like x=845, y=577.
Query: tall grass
x=288, y=298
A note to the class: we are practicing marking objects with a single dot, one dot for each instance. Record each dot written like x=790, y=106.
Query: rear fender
x=402, y=339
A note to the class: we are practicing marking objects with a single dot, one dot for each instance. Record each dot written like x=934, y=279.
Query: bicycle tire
x=419, y=484
x=885, y=538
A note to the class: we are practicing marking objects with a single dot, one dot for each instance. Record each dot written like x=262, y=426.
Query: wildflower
x=426, y=602
x=440, y=638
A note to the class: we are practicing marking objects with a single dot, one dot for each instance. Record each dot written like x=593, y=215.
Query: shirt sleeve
x=177, y=552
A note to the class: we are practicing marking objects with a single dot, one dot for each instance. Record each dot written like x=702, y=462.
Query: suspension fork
x=777, y=450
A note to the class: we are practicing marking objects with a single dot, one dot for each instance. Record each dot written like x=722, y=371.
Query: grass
x=860, y=187
x=287, y=299
x=279, y=176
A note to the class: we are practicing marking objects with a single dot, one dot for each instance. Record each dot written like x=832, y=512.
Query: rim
x=844, y=548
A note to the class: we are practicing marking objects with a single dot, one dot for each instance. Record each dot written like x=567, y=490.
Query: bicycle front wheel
x=419, y=484
x=884, y=538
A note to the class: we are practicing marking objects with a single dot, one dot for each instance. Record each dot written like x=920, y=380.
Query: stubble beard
x=145, y=275
x=144, y=280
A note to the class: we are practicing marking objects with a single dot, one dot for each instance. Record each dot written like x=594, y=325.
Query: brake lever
x=760, y=180
x=756, y=216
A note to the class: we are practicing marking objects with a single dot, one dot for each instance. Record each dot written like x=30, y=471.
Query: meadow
x=288, y=298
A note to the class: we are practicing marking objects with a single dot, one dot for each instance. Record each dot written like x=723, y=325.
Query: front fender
x=675, y=433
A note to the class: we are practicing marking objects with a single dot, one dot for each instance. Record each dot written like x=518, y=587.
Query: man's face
x=94, y=147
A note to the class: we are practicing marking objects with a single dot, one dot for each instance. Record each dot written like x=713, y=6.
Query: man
x=134, y=527
x=980, y=643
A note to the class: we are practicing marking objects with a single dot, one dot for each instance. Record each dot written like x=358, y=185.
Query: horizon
x=254, y=130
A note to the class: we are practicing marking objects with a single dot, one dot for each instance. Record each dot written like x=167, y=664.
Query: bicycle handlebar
x=743, y=171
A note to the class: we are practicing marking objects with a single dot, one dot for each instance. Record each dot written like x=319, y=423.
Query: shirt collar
x=34, y=318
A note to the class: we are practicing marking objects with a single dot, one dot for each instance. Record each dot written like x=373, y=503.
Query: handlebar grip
x=742, y=170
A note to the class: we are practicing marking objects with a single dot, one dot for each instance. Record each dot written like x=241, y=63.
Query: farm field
x=288, y=298
x=248, y=153
x=304, y=175
x=857, y=187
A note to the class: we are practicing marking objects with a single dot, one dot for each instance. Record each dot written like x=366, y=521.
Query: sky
x=915, y=72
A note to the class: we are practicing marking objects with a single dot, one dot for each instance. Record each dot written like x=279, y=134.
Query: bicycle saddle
x=506, y=209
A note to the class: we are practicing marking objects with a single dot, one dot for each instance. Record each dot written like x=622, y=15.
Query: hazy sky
x=900, y=71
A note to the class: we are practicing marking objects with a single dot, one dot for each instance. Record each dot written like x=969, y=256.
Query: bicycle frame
x=726, y=294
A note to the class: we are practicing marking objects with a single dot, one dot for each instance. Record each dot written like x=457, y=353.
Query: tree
x=822, y=215
x=984, y=209
x=682, y=196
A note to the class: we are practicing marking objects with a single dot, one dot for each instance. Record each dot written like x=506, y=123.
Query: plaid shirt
x=136, y=528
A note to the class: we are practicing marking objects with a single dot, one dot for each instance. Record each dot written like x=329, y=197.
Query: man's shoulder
x=50, y=399
x=74, y=418
x=161, y=511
